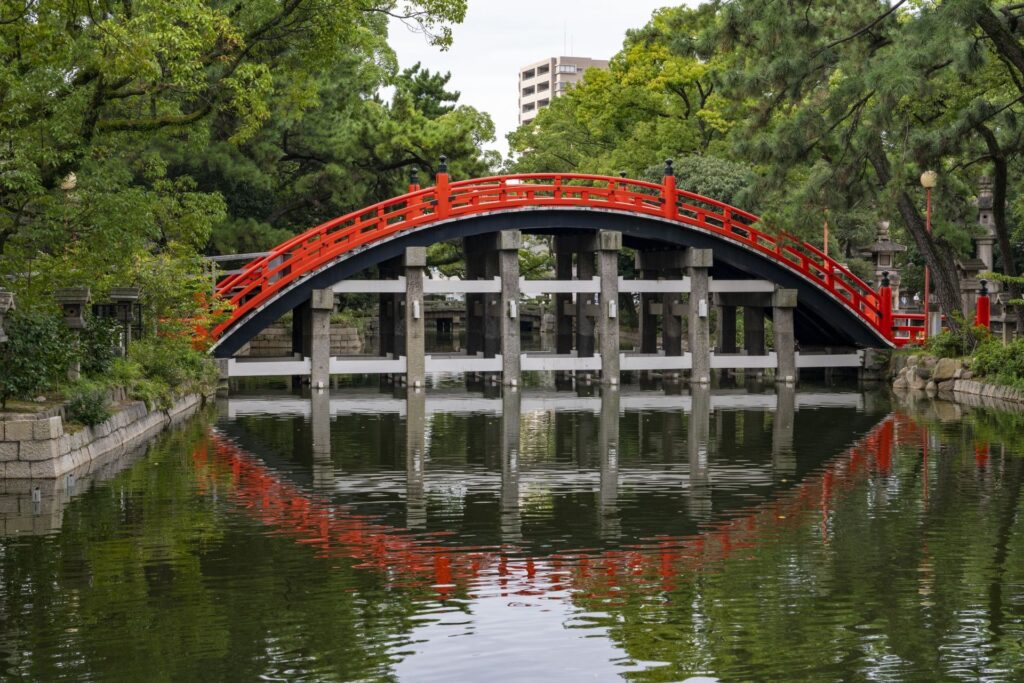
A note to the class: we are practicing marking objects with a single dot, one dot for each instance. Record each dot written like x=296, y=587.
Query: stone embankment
x=38, y=447
x=276, y=341
x=948, y=378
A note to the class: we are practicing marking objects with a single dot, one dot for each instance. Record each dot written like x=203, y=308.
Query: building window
x=567, y=68
x=526, y=75
x=527, y=91
x=542, y=86
x=528, y=107
x=543, y=103
x=541, y=70
x=561, y=87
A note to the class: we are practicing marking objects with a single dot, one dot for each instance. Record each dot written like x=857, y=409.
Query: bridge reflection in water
x=414, y=552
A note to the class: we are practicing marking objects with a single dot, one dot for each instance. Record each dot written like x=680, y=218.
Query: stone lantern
x=73, y=301
x=883, y=251
x=125, y=299
x=6, y=304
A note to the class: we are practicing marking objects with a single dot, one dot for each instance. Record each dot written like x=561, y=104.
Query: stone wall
x=276, y=342
x=40, y=448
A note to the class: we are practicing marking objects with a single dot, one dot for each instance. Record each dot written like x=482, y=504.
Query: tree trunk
x=937, y=256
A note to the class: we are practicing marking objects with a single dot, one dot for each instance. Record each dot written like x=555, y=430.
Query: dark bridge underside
x=819, y=321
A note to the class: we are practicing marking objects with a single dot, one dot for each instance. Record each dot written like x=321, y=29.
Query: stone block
x=946, y=385
x=48, y=428
x=16, y=469
x=415, y=257
x=784, y=298
x=323, y=299
x=698, y=258
x=609, y=240
x=511, y=239
x=44, y=469
x=45, y=449
x=8, y=450
x=18, y=430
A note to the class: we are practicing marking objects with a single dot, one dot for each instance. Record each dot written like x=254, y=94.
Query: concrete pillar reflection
x=783, y=457
x=609, y=524
x=698, y=447
x=320, y=424
x=511, y=520
x=415, y=459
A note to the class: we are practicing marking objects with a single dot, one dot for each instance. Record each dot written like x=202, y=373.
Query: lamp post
x=928, y=181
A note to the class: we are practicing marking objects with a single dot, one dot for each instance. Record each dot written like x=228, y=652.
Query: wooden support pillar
x=415, y=346
x=585, y=270
x=698, y=262
x=509, y=242
x=649, y=305
x=726, y=342
x=563, y=302
x=474, y=302
x=753, y=335
x=609, y=244
x=321, y=307
x=783, y=304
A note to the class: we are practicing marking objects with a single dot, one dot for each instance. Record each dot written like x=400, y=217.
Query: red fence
x=266, y=277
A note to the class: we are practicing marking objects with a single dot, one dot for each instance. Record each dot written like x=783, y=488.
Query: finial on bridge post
x=414, y=179
x=668, y=192
x=443, y=168
x=622, y=174
x=885, y=278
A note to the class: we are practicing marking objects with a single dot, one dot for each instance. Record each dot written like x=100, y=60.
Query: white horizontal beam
x=461, y=286
x=367, y=366
x=591, y=286
x=370, y=286
x=830, y=360
x=554, y=362
x=654, y=286
x=731, y=361
x=657, y=361
x=463, y=364
x=276, y=367
x=740, y=286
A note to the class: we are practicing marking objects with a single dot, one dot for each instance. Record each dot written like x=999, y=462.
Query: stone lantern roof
x=883, y=243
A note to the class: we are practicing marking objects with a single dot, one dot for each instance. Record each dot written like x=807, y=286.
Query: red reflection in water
x=418, y=560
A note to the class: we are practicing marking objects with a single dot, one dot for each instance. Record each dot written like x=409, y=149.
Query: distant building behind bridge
x=542, y=81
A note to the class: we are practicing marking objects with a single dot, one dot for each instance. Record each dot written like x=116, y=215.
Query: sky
x=498, y=37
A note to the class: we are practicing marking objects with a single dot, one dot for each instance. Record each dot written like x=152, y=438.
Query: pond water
x=822, y=534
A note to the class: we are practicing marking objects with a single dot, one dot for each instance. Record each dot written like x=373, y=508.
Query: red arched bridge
x=831, y=305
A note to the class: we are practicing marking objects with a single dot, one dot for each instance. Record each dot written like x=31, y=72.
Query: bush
x=35, y=356
x=88, y=403
x=1003, y=363
x=100, y=345
x=174, y=362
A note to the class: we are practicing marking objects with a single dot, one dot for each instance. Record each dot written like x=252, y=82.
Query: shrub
x=1003, y=363
x=100, y=345
x=174, y=362
x=35, y=356
x=88, y=403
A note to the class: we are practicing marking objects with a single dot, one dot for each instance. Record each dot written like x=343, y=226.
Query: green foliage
x=36, y=355
x=88, y=403
x=99, y=345
x=1002, y=363
x=174, y=362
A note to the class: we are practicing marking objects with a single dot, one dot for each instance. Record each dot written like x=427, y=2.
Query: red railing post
x=885, y=305
x=668, y=192
x=983, y=309
x=414, y=180
x=442, y=189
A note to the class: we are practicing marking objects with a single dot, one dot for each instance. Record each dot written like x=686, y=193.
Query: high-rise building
x=541, y=81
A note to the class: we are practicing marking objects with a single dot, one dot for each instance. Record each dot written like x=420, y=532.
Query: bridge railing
x=264, y=277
